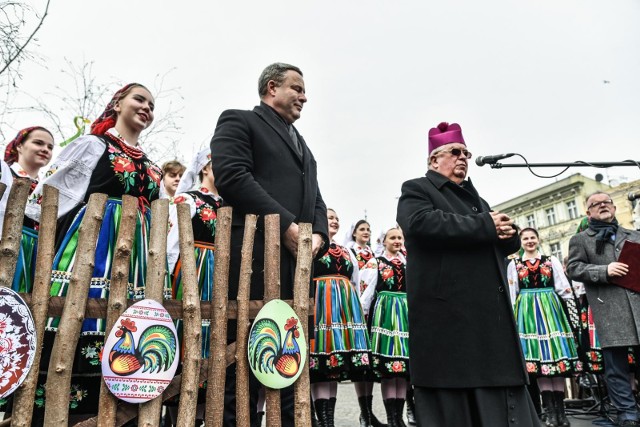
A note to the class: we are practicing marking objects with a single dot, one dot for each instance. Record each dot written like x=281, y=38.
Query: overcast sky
x=519, y=76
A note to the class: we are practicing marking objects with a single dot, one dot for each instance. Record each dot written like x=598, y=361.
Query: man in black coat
x=262, y=166
x=466, y=362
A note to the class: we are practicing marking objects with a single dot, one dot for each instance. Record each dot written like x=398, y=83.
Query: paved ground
x=347, y=410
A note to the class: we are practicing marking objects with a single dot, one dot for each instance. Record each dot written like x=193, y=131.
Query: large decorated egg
x=17, y=341
x=140, y=355
x=277, y=346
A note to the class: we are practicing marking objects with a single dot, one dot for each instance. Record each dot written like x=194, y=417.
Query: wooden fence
x=73, y=308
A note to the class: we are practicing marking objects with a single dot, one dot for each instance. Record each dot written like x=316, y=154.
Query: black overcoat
x=258, y=170
x=461, y=326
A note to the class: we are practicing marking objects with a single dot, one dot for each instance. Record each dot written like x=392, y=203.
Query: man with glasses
x=466, y=362
x=593, y=255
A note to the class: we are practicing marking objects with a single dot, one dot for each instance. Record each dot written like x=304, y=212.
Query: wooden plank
x=12, y=230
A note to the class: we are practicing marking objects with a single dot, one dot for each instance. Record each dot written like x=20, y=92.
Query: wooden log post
x=25, y=395
x=3, y=188
x=301, y=307
x=192, y=321
x=242, y=365
x=118, y=293
x=271, y=292
x=149, y=412
x=64, y=347
x=218, y=342
x=12, y=230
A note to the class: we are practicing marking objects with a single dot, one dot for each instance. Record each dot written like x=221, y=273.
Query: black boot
x=390, y=407
x=411, y=407
x=548, y=401
x=332, y=411
x=314, y=420
x=400, y=413
x=561, y=414
x=365, y=415
x=259, y=418
x=322, y=412
x=374, y=420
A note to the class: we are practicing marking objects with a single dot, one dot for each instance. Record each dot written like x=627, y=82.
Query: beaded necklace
x=133, y=152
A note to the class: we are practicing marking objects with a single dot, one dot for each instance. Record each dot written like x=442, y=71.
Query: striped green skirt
x=26, y=264
x=547, y=341
x=340, y=346
x=204, y=254
x=390, y=335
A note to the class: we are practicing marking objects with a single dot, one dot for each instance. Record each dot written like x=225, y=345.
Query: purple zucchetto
x=443, y=134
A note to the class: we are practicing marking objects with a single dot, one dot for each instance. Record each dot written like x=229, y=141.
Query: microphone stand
x=498, y=165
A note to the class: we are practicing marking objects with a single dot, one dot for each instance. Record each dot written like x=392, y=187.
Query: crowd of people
x=481, y=308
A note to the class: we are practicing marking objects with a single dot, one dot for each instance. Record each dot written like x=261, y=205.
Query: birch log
x=149, y=413
x=271, y=292
x=192, y=321
x=242, y=366
x=218, y=342
x=64, y=347
x=25, y=395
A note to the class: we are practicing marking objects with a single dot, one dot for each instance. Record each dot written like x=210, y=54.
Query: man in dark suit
x=263, y=166
x=593, y=260
x=466, y=362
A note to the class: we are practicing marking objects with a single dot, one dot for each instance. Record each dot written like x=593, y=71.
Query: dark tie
x=294, y=138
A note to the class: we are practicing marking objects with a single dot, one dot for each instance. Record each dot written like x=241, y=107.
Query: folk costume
x=203, y=206
x=102, y=162
x=384, y=284
x=340, y=346
x=547, y=341
x=362, y=254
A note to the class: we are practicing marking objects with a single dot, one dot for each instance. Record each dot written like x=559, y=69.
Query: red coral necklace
x=133, y=152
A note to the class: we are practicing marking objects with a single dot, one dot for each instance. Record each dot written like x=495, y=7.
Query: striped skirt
x=390, y=335
x=340, y=345
x=204, y=254
x=26, y=264
x=64, y=261
x=547, y=341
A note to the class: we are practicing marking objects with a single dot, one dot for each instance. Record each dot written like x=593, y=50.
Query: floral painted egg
x=277, y=346
x=140, y=355
x=17, y=341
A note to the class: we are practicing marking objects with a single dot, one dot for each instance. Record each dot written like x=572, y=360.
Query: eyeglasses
x=602, y=203
x=458, y=151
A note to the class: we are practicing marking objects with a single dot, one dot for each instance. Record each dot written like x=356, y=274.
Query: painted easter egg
x=277, y=347
x=141, y=355
x=17, y=341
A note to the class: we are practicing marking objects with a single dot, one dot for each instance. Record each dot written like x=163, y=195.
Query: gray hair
x=594, y=193
x=275, y=72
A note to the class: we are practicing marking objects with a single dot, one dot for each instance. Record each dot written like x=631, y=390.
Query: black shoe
x=322, y=412
x=374, y=420
x=630, y=423
x=560, y=413
x=548, y=401
x=400, y=413
x=390, y=407
x=332, y=411
x=411, y=407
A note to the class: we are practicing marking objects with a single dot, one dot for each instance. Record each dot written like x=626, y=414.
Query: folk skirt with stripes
x=390, y=335
x=205, y=257
x=340, y=345
x=547, y=341
x=26, y=264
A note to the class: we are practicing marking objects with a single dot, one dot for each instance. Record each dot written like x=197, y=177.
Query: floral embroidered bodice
x=336, y=261
x=204, y=220
x=362, y=255
x=391, y=275
x=534, y=273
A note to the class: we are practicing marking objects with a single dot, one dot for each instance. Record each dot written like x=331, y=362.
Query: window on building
x=572, y=209
x=531, y=221
x=551, y=216
x=556, y=251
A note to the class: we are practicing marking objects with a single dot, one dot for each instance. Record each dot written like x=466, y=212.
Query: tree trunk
x=64, y=347
x=271, y=292
x=12, y=230
x=242, y=366
x=149, y=414
x=218, y=342
x=25, y=395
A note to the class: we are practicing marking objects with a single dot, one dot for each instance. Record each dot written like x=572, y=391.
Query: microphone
x=633, y=196
x=492, y=160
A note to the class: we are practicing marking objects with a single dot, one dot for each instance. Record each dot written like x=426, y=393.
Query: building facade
x=557, y=209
